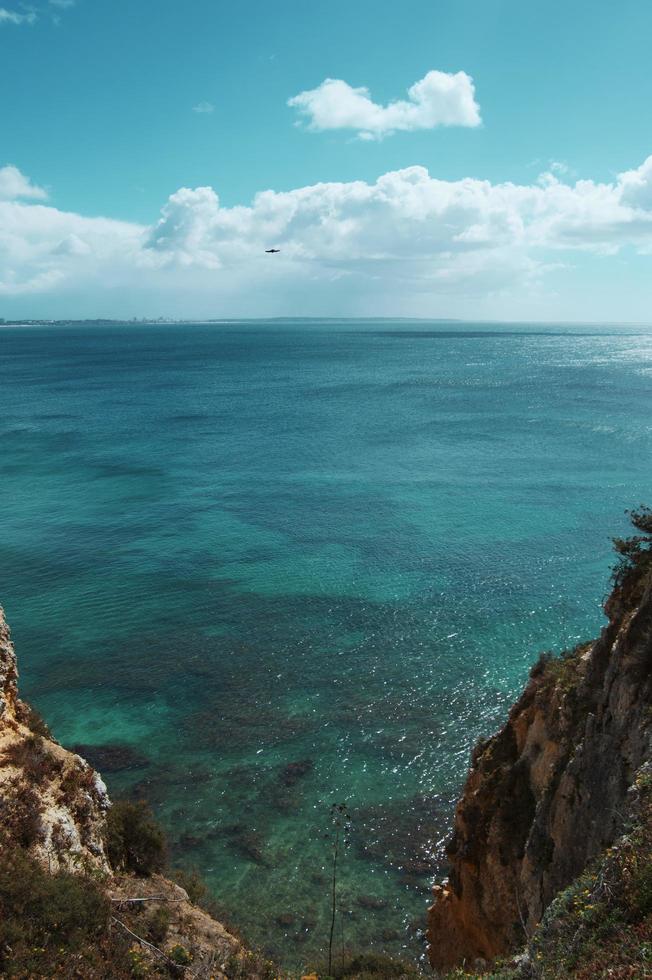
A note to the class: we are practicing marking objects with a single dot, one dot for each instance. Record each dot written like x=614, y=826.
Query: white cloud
x=13, y=184
x=72, y=245
x=204, y=108
x=438, y=99
x=184, y=232
x=12, y=17
x=43, y=249
x=636, y=186
x=408, y=239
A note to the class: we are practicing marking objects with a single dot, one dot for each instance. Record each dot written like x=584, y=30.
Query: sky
x=477, y=159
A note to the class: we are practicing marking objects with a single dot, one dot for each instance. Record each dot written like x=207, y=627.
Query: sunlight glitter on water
x=288, y=567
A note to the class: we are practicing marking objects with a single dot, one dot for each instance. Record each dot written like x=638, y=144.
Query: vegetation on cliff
x=631, y=574
x=90, y=924
x=129, y=923
x=81, y=889
x=600, y=926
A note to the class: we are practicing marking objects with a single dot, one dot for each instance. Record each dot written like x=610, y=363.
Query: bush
x=32, y=755
x=43, y=917
x=180, y=955
x=20, y=814
x=635, y=553
x=641, y=891
x=134, y=841
x=158, y=924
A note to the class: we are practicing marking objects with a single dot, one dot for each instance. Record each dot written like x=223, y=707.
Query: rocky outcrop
x=53, y=806
x=216, y=952
x=51, y=801
x=8, y=675
x=545, y=794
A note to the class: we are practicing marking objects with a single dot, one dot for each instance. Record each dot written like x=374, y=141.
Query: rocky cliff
x=50, y=799
x=64, y=909
x=546, y=794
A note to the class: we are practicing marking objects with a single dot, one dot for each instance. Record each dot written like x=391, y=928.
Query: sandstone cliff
x=546, y=794
x=53, y=834
x=50, y=798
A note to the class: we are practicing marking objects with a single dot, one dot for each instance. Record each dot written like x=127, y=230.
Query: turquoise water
x=237, y=548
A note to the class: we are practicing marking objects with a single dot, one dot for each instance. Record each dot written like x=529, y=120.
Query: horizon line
x=144, y=321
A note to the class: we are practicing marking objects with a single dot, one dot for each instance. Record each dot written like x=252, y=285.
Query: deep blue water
x=239, y=547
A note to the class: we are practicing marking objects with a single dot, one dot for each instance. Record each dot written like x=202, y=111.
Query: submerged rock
x=371, y=902
x=249, y=843
x=294, y=771
x=111, y=756
x=285, y=920
x=401, y=834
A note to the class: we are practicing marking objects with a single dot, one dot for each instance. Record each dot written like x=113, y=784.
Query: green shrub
x=43, y=917
x=180, y=955
x=139, y=963
x=158, y=924
x=641, y=901
x=634, y=564
x=134, y=841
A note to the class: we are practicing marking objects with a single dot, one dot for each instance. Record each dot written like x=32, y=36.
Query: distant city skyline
x=472, y=159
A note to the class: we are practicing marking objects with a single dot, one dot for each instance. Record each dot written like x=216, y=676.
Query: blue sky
x=98, y=103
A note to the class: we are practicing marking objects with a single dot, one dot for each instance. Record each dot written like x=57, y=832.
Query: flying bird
x=272, y=251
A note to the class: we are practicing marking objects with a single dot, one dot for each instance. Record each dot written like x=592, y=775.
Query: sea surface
x=259, y=568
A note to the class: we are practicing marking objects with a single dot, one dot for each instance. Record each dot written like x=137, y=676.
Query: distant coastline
x=144, y=321
x=197, y=321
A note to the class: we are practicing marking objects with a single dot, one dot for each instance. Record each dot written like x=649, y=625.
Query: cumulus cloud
x=405, y=235
x=438, y=99
x=43, y=249
x=14, y=184
x=12, y=17
x=185, y=231
x=204, y=108
x=636, y=186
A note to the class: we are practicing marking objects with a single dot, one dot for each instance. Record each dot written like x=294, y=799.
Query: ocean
x=258, y=568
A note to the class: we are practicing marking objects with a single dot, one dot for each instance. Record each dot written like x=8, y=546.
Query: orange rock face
x=543, y=795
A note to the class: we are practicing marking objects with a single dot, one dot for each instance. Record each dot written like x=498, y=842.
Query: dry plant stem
x=334, y=900
x=144, y=942
x=148, y=898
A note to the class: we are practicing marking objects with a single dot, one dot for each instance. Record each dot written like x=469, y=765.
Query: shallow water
x=237, y=548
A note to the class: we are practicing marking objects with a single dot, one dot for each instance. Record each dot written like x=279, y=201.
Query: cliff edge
x=81, y=894
x=546, y=794
x=51, y=801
